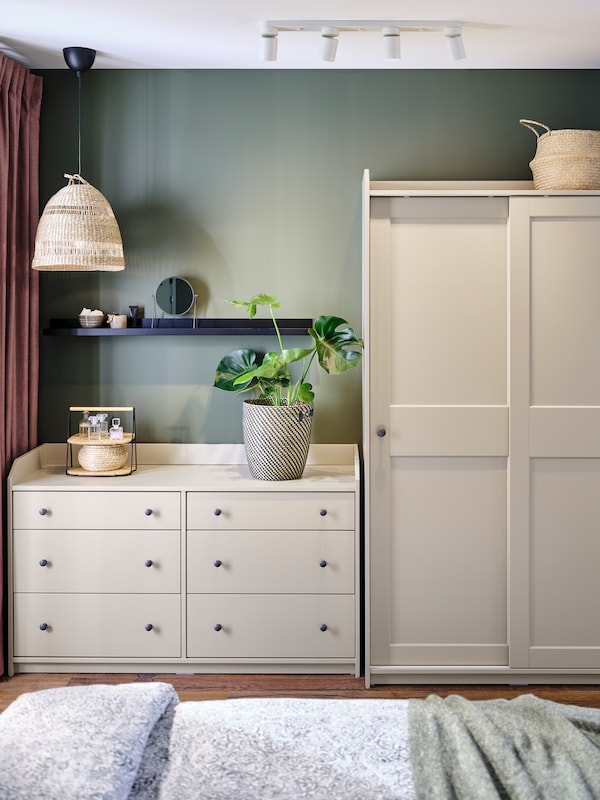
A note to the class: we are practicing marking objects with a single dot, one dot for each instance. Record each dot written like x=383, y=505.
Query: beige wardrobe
x=481, y=433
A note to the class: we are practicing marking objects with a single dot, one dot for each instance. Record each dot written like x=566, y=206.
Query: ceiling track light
x=454, y=42
x=330, y=37
x=269, y=38
x=391, y=38
x=390, y=30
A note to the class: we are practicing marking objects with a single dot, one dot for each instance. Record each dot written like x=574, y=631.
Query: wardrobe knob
x=43, y=512
x=323, y=512
x=43, y=626
x=149, y=627
x=322, y=563
x=381, y=432
x=148, y=563
x=217, y=512
x=217, y=563
x=148, y=512
x=323, y=628
x=43, y=562
x=218, y=627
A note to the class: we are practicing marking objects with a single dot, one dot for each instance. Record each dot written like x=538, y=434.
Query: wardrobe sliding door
x=437, y=430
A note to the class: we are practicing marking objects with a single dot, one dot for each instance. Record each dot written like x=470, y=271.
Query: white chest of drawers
x=187, y=565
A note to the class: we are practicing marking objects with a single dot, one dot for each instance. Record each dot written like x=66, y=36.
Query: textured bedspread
x=137, y=742
x=80, y=742
x=134, y=741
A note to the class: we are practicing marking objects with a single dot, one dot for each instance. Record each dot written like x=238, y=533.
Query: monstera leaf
x=338, y=346
x=229, y=368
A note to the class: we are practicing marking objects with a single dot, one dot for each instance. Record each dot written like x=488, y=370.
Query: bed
x=137, y=741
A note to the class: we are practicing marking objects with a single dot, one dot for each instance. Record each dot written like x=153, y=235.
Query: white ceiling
x=224, y=34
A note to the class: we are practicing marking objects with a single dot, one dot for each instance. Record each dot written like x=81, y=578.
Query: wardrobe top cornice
x=467, y=189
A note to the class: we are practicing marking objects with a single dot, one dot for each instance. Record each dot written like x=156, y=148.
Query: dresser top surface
x=44, y=469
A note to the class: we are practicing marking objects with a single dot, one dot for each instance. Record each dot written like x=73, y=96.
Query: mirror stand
x=176, y=297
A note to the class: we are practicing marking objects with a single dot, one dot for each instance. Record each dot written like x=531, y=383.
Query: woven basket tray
x=99, y=458
x=565, y=159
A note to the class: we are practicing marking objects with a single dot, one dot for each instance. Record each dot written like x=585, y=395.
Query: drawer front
x=97, y=626
x=96, y=510
x=270, y=510
x=270, y=626
x=278, y=562
x=136, y=562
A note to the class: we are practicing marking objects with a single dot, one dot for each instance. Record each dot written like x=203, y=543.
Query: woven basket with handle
x=565, y=159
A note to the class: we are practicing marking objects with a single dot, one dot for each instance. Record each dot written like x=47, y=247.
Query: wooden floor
x=220, y=687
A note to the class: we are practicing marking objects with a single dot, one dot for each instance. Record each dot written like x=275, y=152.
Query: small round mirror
x=175, y=296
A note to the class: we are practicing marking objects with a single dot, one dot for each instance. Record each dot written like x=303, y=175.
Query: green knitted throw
x=522, y=749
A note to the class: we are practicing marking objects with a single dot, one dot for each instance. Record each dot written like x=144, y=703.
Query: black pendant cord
x=79, y=60
x=79, y=119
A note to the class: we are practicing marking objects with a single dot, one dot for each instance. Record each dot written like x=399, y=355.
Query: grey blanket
x=523, y=749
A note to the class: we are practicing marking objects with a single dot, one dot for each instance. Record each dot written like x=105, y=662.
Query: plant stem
x=287, y=369
x=307, y=363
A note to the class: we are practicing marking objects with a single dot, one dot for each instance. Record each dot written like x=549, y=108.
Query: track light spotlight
x=391, y=37
x=454, y=42
x=330, y=43
x=268, y=38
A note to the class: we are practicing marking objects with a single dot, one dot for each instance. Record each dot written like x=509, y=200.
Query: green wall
x=246, y=182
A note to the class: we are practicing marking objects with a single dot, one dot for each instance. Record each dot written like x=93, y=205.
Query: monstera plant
x=284, y=393
x=335, y=345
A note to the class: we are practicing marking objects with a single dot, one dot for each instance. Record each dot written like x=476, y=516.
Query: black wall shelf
x=183, y=327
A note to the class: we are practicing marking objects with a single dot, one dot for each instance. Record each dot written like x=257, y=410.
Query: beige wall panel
x=456, y=655
x=565, y=309
x=448, y=430
x=564, y=432
x=448, y=551
x=565, y=553
x=448, y=323
x=585, y=658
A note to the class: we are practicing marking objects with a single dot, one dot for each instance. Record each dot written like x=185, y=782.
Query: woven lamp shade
x=78, y=232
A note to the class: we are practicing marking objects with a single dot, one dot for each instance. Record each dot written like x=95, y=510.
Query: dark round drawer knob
x=43, y=562
x=149, y=627
x=323, y=512
x=43, y=626
x=323, y=628
x=322, y=563
x=43, y=512
x=148, y=563
x=218, y=627
x=217, y=512
x=218, y=562
x=381, y=432
x=148, y=512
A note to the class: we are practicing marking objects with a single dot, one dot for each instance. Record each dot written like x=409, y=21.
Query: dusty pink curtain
x=20, y=101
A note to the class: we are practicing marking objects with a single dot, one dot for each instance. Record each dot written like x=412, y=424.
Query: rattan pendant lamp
x=78, y=231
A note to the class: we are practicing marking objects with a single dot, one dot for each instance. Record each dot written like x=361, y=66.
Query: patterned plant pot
x=277, y=439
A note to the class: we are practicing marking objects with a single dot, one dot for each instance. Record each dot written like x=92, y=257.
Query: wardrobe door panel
x=438, y=299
